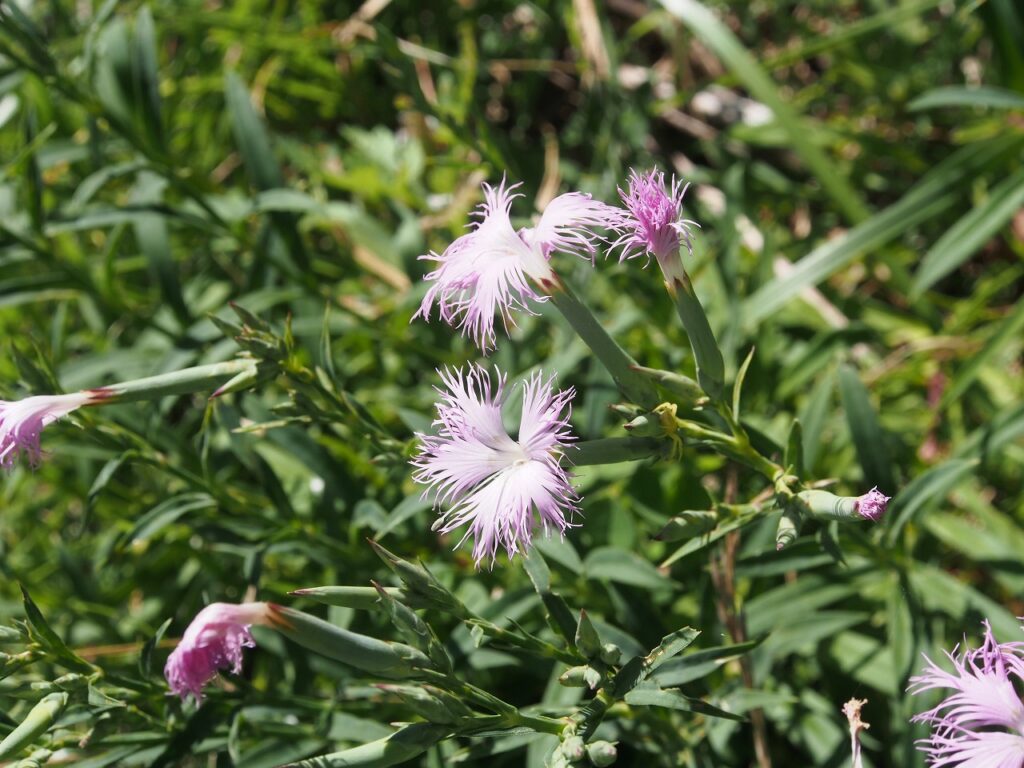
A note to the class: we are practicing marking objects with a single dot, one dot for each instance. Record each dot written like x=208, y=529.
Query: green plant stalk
x=510, y=715
x=399, y=747
x=360, y=651
x=536, y=647
x=347, y=597
x=706, y=354
x=613, y=450
x=634, y=386
x=180, y=382
x=586, y=720
x=35, y=724
x=736, y=447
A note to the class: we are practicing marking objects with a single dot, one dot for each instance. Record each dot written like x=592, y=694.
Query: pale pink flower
x=495, y=269
x=654, y=224
x=981, y=723
x=22, y=422
x=872, y=505
x=489, y=479
x=213, y=641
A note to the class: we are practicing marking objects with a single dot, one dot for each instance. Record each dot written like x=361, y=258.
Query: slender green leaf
x=868, y=438
x=935, y=193
x=716, y=35
x=988, y=97
x=970, y=233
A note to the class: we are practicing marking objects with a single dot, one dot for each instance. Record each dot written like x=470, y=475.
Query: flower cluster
x=489, y=480
x=489, y=270
x=980, y=724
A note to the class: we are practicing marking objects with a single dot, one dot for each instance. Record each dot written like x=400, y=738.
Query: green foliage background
x=159, y=161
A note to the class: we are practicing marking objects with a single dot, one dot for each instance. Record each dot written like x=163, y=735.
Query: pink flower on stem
x=654, y=224
x=980, y=724
x=489, y=479
x=22, y=422
x=489, y=270
x=213, y=641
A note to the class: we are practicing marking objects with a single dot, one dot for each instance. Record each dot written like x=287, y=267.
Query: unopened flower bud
x=573, y=677
x=611, y=654
x=588, y=642
x=574, y=748
x=827, y=506
x=602, y=753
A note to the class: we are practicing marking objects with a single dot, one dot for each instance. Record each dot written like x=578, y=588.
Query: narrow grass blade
x=713, y=33
x=970, y=233
x=962, y=96
x=865, y=430
x=935, y=193
x=1008, y=331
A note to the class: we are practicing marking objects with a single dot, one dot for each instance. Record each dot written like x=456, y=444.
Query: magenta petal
x=653, y=224
x=213, y=641
x=980, y=724
x=22, y=422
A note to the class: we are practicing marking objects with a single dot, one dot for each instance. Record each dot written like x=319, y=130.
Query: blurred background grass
x=858, y=179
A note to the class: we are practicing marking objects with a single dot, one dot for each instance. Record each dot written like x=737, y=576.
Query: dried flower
x=488, y=270
x=654, y=223
x=22, y=422
x=980, y=724
x=490, y=480
x=872, y=505
x=852, y=710
x=213, y=641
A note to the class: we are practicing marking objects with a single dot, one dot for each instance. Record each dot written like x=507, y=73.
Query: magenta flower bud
x=213, y=641
x=488, y=479
x=489, y=270
x=827, y=506
x=654, y=224
x=872, y=505
x=981, y=721
x=22, y=422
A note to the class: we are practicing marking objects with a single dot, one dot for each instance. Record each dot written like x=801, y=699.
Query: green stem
x=469, y=691
x=613, y=450
x=736, y=446
x=200, y=377
x=538, y=723
x=634, y=386
x=706, y=354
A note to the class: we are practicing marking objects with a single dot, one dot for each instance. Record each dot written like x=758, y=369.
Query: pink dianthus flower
x=213, y=641
x=22, y=422
x=495, y=269
x=489, y=479
x=654, y=224
x=980, y=724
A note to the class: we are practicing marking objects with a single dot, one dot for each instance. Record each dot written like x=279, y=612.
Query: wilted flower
x=852, y=710
x=490, y=480
x=22, y=422
x=981, y=723
x=872, y=505
x=488, y=270
x=213, y=641
x=654, y=224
